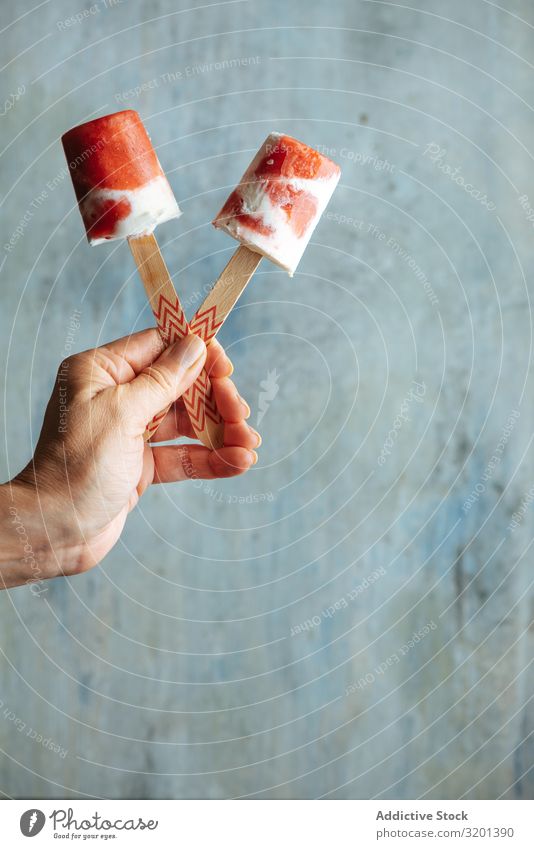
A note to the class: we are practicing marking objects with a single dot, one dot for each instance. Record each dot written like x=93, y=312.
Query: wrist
x=26, y=553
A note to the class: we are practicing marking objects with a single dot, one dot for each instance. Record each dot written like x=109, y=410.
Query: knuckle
x=68, y=365
x=161, y=379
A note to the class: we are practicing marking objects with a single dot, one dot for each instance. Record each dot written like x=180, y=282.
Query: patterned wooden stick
x=228, y=287
x=172, y=325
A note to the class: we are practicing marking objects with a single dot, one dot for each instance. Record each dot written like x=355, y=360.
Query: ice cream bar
x=280, y=199
x=272, y=213
x=119, y=183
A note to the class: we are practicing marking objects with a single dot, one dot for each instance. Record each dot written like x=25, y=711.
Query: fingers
x=113, y=364
x=218, y=363
x=175, y=424
x=162, y=382
x=123, y=359
x=141, y=349
x=239, y=434
x=136, y=351
x=193, y=462
x=231, y=406
x=229, y=403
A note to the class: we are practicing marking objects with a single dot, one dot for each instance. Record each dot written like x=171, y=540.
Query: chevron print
x=198, y=400
x=205, y=325
x=200, y=404
x=171, y=320
x=172, y=325
x=152, y=426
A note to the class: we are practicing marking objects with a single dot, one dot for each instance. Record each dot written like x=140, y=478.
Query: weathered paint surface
x=387, y=373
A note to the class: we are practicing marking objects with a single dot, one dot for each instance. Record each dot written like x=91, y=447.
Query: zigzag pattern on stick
x=205, y=325
x=152, y=426
x=198, y=400
x=172, y=325
x=200, y=405
x=171, y=319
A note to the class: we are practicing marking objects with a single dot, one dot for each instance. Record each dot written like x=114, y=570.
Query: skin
x=66, y=510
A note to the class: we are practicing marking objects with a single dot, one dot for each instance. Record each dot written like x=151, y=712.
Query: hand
x=91, y=464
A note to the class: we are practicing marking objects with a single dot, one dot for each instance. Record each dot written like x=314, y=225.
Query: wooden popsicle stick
x=227, y=288
x=172, y=325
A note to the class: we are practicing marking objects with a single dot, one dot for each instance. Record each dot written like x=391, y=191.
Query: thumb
x=161, y=383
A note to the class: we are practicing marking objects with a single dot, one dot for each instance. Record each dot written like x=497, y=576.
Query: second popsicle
x=272, y=213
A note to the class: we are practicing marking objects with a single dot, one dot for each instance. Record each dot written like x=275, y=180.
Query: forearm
x=26, y=555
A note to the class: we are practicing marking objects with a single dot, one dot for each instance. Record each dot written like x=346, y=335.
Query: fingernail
x=245, y=405
x=254, y=458
x=191, y=349
x=256, y=434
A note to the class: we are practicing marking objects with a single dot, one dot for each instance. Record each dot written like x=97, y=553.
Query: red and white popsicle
x=123, y=193
x=273, y=213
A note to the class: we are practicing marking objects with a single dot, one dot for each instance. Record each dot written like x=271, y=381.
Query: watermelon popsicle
x=123, y=193
x=119, y=183
x=280, y=199
x=272, y=213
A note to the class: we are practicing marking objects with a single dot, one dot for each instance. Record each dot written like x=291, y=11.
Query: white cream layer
x=150, y=205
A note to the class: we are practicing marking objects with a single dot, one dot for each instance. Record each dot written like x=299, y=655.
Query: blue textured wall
x=255, y=637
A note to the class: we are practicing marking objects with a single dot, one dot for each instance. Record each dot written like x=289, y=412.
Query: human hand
x=91, y=464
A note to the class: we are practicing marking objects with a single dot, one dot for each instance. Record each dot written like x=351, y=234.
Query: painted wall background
x=255, y=637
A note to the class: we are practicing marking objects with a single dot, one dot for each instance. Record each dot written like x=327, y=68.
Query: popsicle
x=272, y=213
x=123, y=193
